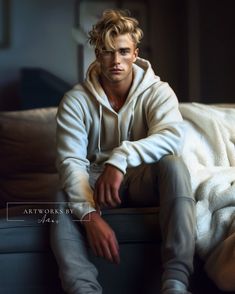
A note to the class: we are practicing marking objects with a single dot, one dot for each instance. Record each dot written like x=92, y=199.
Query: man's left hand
x=107, y=186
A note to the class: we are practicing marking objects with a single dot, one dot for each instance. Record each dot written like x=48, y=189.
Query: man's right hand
x=101, y=237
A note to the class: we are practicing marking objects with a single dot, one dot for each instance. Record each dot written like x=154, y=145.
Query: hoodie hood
x=144, y=77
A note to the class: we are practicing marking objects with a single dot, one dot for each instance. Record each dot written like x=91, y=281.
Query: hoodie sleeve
x=72, y=162
x=165, y=133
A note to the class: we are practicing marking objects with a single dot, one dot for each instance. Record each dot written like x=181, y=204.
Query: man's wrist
x=108, y=165
x=90, y=217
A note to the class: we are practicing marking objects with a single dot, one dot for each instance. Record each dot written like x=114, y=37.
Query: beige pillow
x=220, y=265
x=27, y=155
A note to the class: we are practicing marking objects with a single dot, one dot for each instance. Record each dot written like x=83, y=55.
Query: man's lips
x=116, y=70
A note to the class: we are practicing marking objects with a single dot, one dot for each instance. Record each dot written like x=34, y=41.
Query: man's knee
x=173, y=166
x=173, y=177
x=171, y=163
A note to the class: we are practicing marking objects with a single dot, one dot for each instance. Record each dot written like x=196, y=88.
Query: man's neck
x=117, y=93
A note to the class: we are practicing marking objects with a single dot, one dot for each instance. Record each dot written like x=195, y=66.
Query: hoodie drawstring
x=131, y=120
x=100, y=127
x=119, y=130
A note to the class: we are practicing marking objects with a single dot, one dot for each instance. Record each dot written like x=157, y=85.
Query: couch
x=28, y=185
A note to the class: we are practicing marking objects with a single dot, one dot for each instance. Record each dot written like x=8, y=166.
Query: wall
x=193, y=48
x=217, y=51
x=40, y=37
x=169, y=55
x=190, y=44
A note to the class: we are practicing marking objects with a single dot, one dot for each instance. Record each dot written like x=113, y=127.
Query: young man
x=121, y=128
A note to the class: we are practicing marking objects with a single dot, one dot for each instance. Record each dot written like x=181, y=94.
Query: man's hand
x=107, y=186
x=101, y=237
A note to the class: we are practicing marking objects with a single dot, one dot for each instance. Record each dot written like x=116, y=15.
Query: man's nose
x=116, y=57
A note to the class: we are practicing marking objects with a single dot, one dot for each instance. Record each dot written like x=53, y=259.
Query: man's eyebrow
x=121, y=48
x=124, y=48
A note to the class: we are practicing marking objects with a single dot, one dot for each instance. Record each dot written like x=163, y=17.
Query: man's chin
x=116, y=79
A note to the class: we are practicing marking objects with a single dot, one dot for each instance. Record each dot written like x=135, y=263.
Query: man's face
x=116, y=65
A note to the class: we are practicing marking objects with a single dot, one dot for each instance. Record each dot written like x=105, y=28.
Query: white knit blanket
x=209, y=153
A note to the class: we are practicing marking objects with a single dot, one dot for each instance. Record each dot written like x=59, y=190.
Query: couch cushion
x=24, y=245
x=140, y=225
x=27, y=155
x=23, y=231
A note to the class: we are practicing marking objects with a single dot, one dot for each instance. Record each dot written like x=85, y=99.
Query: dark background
x=190, y=44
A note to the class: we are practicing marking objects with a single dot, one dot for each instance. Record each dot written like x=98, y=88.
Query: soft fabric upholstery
x=28, y=173
x=27, y=155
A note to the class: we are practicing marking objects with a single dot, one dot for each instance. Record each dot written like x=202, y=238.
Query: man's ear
x=97, y=53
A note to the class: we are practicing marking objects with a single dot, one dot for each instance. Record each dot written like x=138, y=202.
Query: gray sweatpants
x=167, y=183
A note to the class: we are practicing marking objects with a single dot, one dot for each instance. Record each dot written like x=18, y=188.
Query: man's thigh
x=140, y=186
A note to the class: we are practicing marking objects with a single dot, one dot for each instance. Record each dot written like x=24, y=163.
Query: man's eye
x=124, y=52
x=107, y=52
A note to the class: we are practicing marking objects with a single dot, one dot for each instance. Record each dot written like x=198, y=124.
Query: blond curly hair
x=114, y=23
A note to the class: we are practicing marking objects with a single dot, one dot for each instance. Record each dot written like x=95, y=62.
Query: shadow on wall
x=37, y=88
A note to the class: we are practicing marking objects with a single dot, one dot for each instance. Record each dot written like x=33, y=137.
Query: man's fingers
x=107, y=253
x=114, y=249
x=111, y=251
x=115, y=196
x=106, y=196
x=107, y=187
x=109, y=201
x=100, y=251
x=104, y=249
x=101, y=238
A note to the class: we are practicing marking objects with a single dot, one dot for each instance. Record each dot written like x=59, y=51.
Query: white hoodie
x=90, y=133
